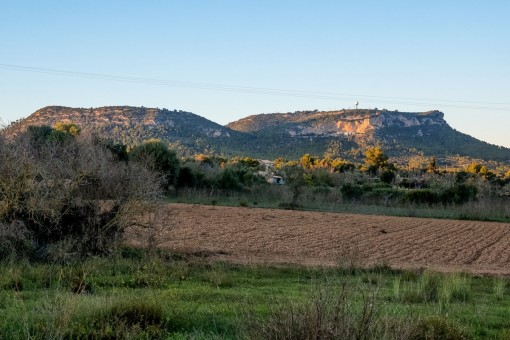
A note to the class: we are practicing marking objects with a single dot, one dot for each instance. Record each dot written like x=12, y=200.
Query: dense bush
x=437, y=327
x=71, y=195
x=119, y=150
x=458, y=194
x=382, y=195
x=15, y=241
x=421, y=196
x=387, y=176
x=187, y=178
x=236, y=177
x=351, y=191
x=156, y=156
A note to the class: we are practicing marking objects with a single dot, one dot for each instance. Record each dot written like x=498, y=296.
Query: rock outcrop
x=333, y=123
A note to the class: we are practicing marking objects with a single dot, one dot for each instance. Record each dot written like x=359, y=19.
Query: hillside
x=401, y=133
x=345, y=133
x=132, y=125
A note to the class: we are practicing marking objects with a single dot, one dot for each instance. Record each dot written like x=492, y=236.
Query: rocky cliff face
x=348, y=122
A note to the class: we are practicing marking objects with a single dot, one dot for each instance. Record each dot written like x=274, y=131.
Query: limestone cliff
x=348, y=122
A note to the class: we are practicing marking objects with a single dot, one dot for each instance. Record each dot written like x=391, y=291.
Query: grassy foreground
x=162, y=296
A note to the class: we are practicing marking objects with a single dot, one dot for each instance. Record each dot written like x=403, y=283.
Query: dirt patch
x=250, y=235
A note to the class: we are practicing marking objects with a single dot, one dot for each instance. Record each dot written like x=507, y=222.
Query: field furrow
x=318, y=238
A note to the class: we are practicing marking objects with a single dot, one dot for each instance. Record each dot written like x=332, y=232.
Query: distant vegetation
x=375, y=185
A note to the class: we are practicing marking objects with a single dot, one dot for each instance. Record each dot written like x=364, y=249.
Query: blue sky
x=452, y=56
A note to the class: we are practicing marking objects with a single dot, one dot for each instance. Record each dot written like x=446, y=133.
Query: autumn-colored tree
x=70, y=128
x=476, y=168
x=417, y=163
x=375, y=159
x=374, y=156
x=307, y=161
x=432, y=165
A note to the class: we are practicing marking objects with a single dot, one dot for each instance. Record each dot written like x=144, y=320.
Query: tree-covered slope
x=401, y=133
x=133, y=125
x=345, y=133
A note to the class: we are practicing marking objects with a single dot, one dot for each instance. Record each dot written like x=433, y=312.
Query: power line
x=265, y=91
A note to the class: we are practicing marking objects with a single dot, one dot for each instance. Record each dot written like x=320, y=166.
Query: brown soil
x=250, y=235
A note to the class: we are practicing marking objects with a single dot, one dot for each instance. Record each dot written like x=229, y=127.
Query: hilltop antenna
x=356, y=104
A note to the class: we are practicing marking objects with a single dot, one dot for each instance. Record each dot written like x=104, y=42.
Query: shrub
x=421, y=196
x=295, y=179
x=156, y=156
x=186, y=178
x=122, y=320
x=119, y=150
x=438, y=327
x=71, y=196
x=325, y=315
x=427, y=289
x=460, y=193
x=387, y=176
x=382, y=195
x=15, y=241
x=230, y=180
x=351, y=191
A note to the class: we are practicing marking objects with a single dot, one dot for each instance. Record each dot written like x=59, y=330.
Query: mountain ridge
x=343, y=133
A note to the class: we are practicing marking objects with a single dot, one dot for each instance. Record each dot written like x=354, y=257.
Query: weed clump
x=434, y=287
x=438, y=327
x=124, y=320
x=500, y=286
x=344, y=315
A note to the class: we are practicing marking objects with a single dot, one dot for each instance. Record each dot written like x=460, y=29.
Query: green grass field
x=164, y=296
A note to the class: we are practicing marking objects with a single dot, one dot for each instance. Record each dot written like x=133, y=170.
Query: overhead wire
x=267, y=91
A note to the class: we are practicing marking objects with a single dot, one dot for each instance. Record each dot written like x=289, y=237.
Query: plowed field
x=252, y=235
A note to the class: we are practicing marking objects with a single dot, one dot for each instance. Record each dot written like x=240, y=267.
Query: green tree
x=42, y=134
x=295, y=178
x=334, y=149
x=156, y=156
